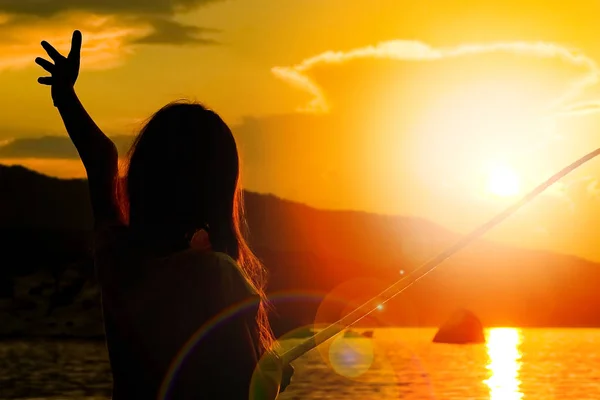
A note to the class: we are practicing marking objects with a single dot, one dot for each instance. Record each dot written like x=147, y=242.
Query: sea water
x=402, y=363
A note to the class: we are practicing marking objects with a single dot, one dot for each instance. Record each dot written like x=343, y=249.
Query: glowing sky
x=448, y=110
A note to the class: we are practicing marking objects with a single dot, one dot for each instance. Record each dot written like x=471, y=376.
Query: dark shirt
x=181, y=326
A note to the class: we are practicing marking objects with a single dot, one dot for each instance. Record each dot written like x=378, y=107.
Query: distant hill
x=46, y=286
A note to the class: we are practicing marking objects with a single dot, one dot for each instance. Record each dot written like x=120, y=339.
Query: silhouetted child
x=182, y=294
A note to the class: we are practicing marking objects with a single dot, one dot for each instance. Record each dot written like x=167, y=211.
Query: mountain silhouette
x=47, y=287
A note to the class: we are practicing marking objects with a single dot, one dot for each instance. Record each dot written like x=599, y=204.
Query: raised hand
x=98, y=153
x=65, y=70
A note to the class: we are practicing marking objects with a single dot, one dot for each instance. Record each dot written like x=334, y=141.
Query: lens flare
x=351, y=357
x=343, y=299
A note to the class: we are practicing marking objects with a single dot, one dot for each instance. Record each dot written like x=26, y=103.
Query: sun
x=503, y=181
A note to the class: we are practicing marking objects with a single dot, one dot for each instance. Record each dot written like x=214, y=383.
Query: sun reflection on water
x=503, y=351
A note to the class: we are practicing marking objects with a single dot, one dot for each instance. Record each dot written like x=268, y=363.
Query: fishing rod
x=404, y=283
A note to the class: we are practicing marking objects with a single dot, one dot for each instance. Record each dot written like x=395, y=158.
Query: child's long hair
x=182, y=175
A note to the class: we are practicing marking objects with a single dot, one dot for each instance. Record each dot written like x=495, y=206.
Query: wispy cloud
x=299, y=75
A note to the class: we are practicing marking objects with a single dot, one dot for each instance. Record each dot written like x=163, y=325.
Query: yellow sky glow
x=444, y=110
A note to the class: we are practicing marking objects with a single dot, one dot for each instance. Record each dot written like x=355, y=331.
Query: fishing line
x=399, y=286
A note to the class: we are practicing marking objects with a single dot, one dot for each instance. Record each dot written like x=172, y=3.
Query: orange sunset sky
x=444, y=109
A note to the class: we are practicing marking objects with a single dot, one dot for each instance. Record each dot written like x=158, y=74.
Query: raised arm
x=98, y=153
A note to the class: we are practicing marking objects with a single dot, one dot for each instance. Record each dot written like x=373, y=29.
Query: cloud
x=299, y=75
x=51, y=147
x=167, y=31
x=44, y=147
x=46, y=8
x=110, y=27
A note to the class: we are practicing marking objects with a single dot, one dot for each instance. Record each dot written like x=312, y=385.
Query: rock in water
x=462, y=328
